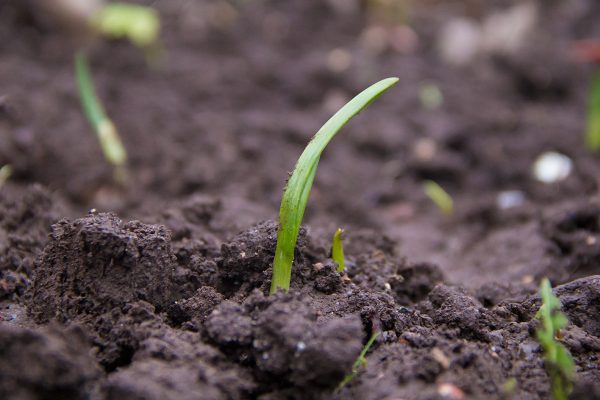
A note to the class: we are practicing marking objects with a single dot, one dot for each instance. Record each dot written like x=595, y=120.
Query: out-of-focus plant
x=5, y=173
x=439, y=196
x=110, y=142
x=592, y=134
x=139, y=24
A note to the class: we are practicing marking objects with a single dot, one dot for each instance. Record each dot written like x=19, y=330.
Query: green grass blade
x=592, y=135
x=360, y=361
x=337, y=250
x=439, y=196
x=112, y=147
x=297, y=190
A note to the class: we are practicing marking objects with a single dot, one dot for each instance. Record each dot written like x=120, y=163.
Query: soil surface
x=158, y=289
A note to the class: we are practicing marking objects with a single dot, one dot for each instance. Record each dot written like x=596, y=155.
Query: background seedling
x=337, y=250
x=5, y=173
x=139, y=24
x=112, y=147
x=559, y=364
x=430, y=96
x=592, y=135
x=297, y=190
x=361, y=361
x=439, y=196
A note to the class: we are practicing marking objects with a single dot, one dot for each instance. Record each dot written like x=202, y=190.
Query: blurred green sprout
x=139, y=24
x=337, y=250
x=110, y=142
x=430, y=96
x=297, y=191
x=592, y=134
x=439, y=196
x=558, y=361
x=5, y=173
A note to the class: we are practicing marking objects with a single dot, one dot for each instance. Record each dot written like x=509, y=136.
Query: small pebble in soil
x=450, y=391
x=509, y=199
x=552, y=167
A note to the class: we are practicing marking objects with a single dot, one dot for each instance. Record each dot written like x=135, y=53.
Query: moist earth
x=158, y=289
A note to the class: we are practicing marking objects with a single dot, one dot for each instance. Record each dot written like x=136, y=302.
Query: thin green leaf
x=337, y=250
x=592, y=135
x=361, y=361
x=112, y=147
x=439, y=196
x=297, y=191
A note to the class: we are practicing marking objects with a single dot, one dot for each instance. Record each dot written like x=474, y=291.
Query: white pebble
x=552, y=167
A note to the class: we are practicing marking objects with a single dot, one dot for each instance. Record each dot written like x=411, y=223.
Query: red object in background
x=586, y=51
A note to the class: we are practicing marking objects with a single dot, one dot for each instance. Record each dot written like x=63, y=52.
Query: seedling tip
x=337, y=250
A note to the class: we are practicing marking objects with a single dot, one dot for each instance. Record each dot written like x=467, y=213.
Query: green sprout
x=361, y=361
x=439, y=196
x=297, y=190
x=139, y=24
x=558, y=361
x=592, y=134
x=337, y=250
x=5, y=173
x=112, y=147
x=430, y=96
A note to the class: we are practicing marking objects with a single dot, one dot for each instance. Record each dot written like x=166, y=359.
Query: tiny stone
x=450, y=391
x=509, y=199
x=552, y=167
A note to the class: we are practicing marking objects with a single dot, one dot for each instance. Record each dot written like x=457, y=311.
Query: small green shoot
x=430, y=96
x=592, y=134
x=139, y=24
x=5, y=173
x=112, y=147
x=439, y=196
x=361, y=361
x=337, y=250
x=558, y=361
x=297, y=190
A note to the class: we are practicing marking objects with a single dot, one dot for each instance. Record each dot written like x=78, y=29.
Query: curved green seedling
x=297, y=190
x=337, y=250
x=439, y=196
x=592, y=135
x=112, y=147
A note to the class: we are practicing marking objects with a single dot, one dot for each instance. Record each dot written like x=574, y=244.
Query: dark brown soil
x=160, y=291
